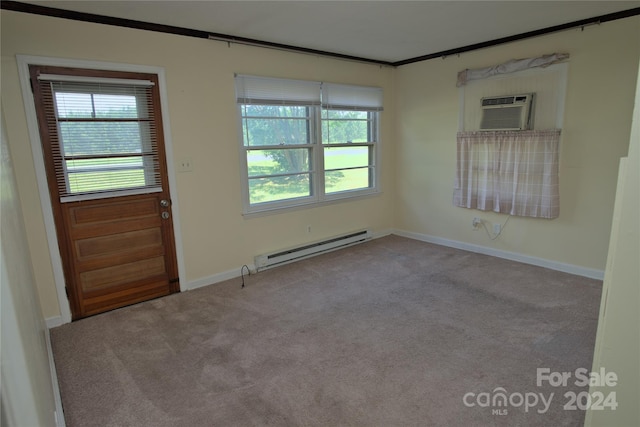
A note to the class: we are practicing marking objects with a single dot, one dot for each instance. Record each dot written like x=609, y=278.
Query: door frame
x=24, y=61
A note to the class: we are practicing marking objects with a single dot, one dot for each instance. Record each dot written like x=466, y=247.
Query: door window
x=105, y=139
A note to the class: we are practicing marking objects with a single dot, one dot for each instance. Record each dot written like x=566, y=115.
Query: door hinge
x=31, y=84
x=66, y=291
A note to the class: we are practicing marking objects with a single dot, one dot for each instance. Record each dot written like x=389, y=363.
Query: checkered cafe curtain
x=512, y=172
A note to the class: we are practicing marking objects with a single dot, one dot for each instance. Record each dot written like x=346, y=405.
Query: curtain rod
x=169, y=29
x=296, y=49
x=570, y=25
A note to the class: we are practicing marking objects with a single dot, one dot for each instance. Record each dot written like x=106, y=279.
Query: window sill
x=310, y=205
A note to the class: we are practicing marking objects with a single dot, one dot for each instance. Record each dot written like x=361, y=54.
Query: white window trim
x=23, y=62
x=318, y=196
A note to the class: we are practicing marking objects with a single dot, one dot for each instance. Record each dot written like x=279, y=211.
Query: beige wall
x=418, y=137
x=27, y=391
x=201, y=103
x=597, y=121
x=617, y=347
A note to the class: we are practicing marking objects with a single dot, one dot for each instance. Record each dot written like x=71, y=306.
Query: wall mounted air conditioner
x=510, y=112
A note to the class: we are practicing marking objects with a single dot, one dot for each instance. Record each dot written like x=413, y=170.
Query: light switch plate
x=185, y=164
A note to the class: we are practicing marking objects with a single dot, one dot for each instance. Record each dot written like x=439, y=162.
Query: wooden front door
x=102, y=139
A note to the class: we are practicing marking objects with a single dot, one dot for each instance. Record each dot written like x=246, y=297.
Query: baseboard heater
x=265, y=261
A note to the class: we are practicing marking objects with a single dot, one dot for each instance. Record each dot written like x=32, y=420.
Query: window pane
x=77, y=105
x=85, y=165
x=92, y=138
x=273, y=189
x=258, y=132
x=344, y=180
x=344, y=114
x=274, y=111
x=89, y=175
x=344, y=127
x=86, y=182
x=271, y=162
x=345, y=157
x=115, y=106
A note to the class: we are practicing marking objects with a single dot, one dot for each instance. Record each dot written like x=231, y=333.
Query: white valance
x=509, y=67
x=350, y=97
x=261, y=90
x=268, y=90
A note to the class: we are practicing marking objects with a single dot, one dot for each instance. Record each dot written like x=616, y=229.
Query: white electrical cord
x=499, y=233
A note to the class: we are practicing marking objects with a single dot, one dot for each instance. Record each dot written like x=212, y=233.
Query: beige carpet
x=393, y=332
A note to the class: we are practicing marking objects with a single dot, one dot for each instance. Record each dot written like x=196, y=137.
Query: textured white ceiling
x=380, y=30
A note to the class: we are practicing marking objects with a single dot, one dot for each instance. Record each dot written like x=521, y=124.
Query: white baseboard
x=235, y=273
x=53, y=322
x=217, y=278
x=513, y=256
x=382, y=233
x=59, y=413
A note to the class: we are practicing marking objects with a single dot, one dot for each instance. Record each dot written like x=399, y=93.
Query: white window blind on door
x=103, y=135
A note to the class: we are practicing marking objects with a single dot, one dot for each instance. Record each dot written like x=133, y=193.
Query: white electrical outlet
x=476, y=222
x=496, y=229
x=308, y=229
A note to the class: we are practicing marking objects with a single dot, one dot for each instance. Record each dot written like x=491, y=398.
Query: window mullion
x=372, y=135
x=348, y=144
x=244, y=167
x=318, y=157
x=278, y=175
x=349, y=168
x=277, y=147
x=93, y=106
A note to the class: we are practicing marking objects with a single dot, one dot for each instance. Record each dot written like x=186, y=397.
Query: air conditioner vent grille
x=502, y=118
x=512, y=112
x=498, y=101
